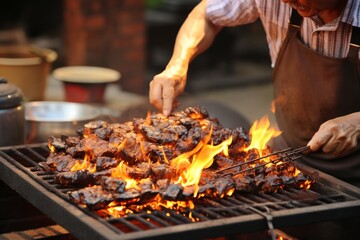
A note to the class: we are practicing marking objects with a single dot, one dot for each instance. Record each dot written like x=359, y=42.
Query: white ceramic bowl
x=85, y=84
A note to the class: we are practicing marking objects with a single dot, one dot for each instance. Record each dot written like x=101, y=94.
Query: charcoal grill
x=328, y=199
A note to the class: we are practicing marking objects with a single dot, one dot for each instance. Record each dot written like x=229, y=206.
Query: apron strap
x=354, y=44
x=355, y=37
x=295, y=19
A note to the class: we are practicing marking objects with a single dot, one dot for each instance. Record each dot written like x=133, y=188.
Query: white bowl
x=85, y=84
x=86, y=74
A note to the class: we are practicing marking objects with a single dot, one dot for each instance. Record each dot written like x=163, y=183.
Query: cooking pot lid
x=10, y=95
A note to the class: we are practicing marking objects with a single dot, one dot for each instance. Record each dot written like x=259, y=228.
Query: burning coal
x=160, y=162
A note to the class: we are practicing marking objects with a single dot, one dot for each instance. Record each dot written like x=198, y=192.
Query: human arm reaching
x=195, y=36
x=338, y=136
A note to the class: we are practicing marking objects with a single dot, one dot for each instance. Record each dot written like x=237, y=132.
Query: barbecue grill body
x=328, y=199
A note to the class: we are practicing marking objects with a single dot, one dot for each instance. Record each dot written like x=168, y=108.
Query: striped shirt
x=331, y=39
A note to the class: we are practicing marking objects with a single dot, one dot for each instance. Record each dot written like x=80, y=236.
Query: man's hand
x=196, y=35
x=164, y=89
x=338, y=136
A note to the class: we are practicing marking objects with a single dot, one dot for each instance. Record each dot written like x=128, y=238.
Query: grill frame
x=84, y=224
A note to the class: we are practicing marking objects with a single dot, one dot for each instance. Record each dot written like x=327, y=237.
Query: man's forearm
x=194, y=37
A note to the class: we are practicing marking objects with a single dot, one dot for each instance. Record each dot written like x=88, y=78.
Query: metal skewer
x=284, y=155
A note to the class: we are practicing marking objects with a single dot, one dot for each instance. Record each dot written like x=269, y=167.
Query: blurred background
x=136, y=37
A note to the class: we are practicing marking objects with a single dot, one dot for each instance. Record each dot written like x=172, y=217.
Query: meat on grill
x=147, y=148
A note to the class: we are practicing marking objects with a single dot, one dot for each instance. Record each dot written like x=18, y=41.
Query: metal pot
x=46, y=118
x=12, y=119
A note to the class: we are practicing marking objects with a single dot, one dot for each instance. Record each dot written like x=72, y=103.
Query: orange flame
x=120, y=172
x=163, y=152
x=121, y=145
x=158, y=203
x=182, y=161
x=85, y=164
x=272, y=107
x=261, y=133
x=148, y=118
x=51, y=147
x=202, y=160
x=202, y=157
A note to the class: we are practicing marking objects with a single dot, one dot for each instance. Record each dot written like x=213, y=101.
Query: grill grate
x=328, y=198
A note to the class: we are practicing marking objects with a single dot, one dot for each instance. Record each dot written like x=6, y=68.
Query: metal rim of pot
x=58, y=111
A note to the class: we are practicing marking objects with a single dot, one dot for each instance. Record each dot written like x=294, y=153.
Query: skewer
x=263, y=164
x=285, y=153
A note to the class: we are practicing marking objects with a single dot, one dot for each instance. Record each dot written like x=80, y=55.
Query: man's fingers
x=155, y=95
x=339, y=150
x=331, y=147
x=168, y=94
x=162, y=95
x=318, y=141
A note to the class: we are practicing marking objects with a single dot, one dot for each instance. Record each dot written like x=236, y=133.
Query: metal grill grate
x=328, y=198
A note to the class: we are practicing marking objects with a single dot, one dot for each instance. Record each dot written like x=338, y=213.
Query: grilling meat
x=134, y=162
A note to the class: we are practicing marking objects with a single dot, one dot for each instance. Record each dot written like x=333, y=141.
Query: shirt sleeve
x=231, y=12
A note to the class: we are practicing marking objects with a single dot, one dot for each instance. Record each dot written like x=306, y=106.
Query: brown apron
x=310, y=89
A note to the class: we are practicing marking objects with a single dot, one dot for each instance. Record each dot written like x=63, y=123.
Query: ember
x=159, y=162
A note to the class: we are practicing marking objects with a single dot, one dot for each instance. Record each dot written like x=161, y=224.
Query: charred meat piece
x=188, y=192
x=113, y=184
x=223, y=185
x=223, y=162
x=271, y=183
x=98, y=175
x=288, y=180
x=77, y=151
x=101, y=148
x=57, y=144
x=70, y=141
x=120, y=131
x=94, y=197
x=103, y=163
x=187, y=122
x=244, y=183
x=76, y=178
x=162, y=184
x=221, y=134
x=131, y=149
x=207, y=189
x=189, y=141
x=165, y=132
x=91, y=127
x=158, y=153
x=302, y=179
x=197, y=112
x=148, y=190
x=142, y=170
x=94, y=146
x=173, y=192
x=103, y=133
x=160, y=171
x=129, y=196
x=81, y=177
x=60, y=162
